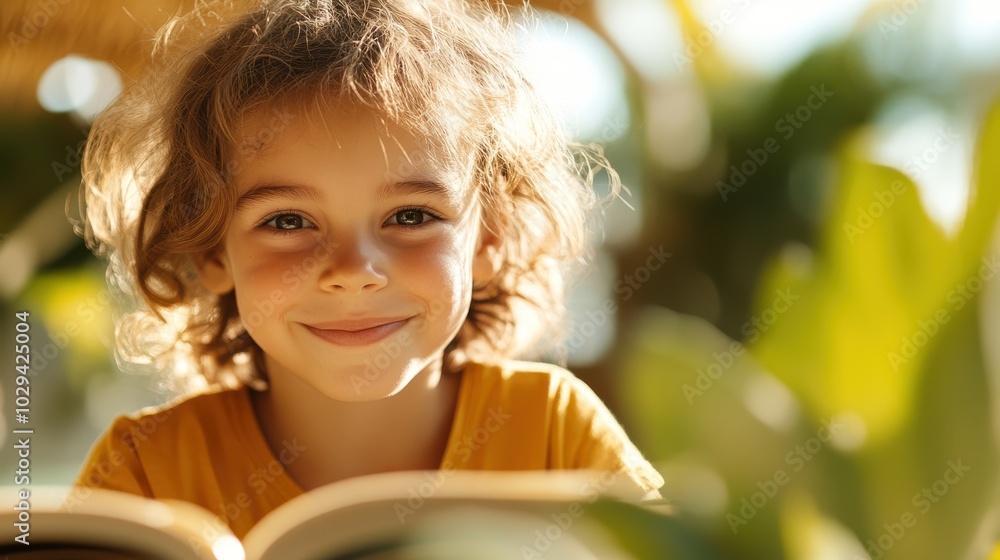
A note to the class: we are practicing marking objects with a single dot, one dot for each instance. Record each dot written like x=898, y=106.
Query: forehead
x=352, y=135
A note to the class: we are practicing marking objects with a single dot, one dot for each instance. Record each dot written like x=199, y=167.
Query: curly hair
x=158, y=169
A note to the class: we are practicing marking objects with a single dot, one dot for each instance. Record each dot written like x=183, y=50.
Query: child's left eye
x=411, y=217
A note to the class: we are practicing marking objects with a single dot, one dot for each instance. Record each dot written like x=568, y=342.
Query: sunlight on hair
x=578, y=76
x=132, y=200
x=442, y=71
x=79, y=85
x=183, y=364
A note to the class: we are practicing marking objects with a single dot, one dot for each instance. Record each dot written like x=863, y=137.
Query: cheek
x=273, y=275
x=439, y=271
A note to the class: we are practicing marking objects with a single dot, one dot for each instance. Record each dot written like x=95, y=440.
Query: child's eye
x=412, y=217
x=287, y=222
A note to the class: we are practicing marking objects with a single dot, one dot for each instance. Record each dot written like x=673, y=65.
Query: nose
x=353, y=267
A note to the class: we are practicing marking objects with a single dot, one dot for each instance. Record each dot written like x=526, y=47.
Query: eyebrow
x=427, y=187
x=264, y=192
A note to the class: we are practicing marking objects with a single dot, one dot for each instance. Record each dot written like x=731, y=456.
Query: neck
x=406, y=431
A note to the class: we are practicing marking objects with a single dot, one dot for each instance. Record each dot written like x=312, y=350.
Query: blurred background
x=792, y=311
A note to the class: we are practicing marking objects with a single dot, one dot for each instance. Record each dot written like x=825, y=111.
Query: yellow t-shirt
x=209, y=450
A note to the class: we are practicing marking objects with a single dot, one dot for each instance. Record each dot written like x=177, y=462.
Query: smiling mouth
x=360, y=332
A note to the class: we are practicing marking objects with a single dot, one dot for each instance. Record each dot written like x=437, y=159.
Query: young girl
x=341, y=218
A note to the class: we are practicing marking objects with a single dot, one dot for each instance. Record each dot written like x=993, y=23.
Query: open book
x=413, y=515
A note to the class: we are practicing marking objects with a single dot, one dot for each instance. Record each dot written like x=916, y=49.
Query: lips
x=357, y=332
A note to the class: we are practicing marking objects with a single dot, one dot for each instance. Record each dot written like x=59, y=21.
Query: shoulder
x=539, y=392
x=183, y=410
x=154, y=436
x=522, y=383
x=163, y=427
x=519, y=368
x=523, y=376
x=581, y=431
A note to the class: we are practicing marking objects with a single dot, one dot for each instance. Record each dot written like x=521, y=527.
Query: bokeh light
x=79, y=85
x=578, y=75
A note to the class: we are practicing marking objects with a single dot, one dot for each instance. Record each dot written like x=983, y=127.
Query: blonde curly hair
x=158, y=174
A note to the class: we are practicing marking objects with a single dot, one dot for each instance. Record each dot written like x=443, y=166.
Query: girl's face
x=352, y=255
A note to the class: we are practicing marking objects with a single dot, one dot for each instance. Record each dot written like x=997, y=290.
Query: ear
x=214, y=272
x=487, y=261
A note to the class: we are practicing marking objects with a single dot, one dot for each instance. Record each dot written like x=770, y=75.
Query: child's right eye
x=286, y=222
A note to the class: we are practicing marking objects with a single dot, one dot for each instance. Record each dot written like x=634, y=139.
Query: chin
x=360, y=386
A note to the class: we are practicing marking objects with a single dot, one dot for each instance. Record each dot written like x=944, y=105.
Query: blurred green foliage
x=853, y=311
x=874, y=330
